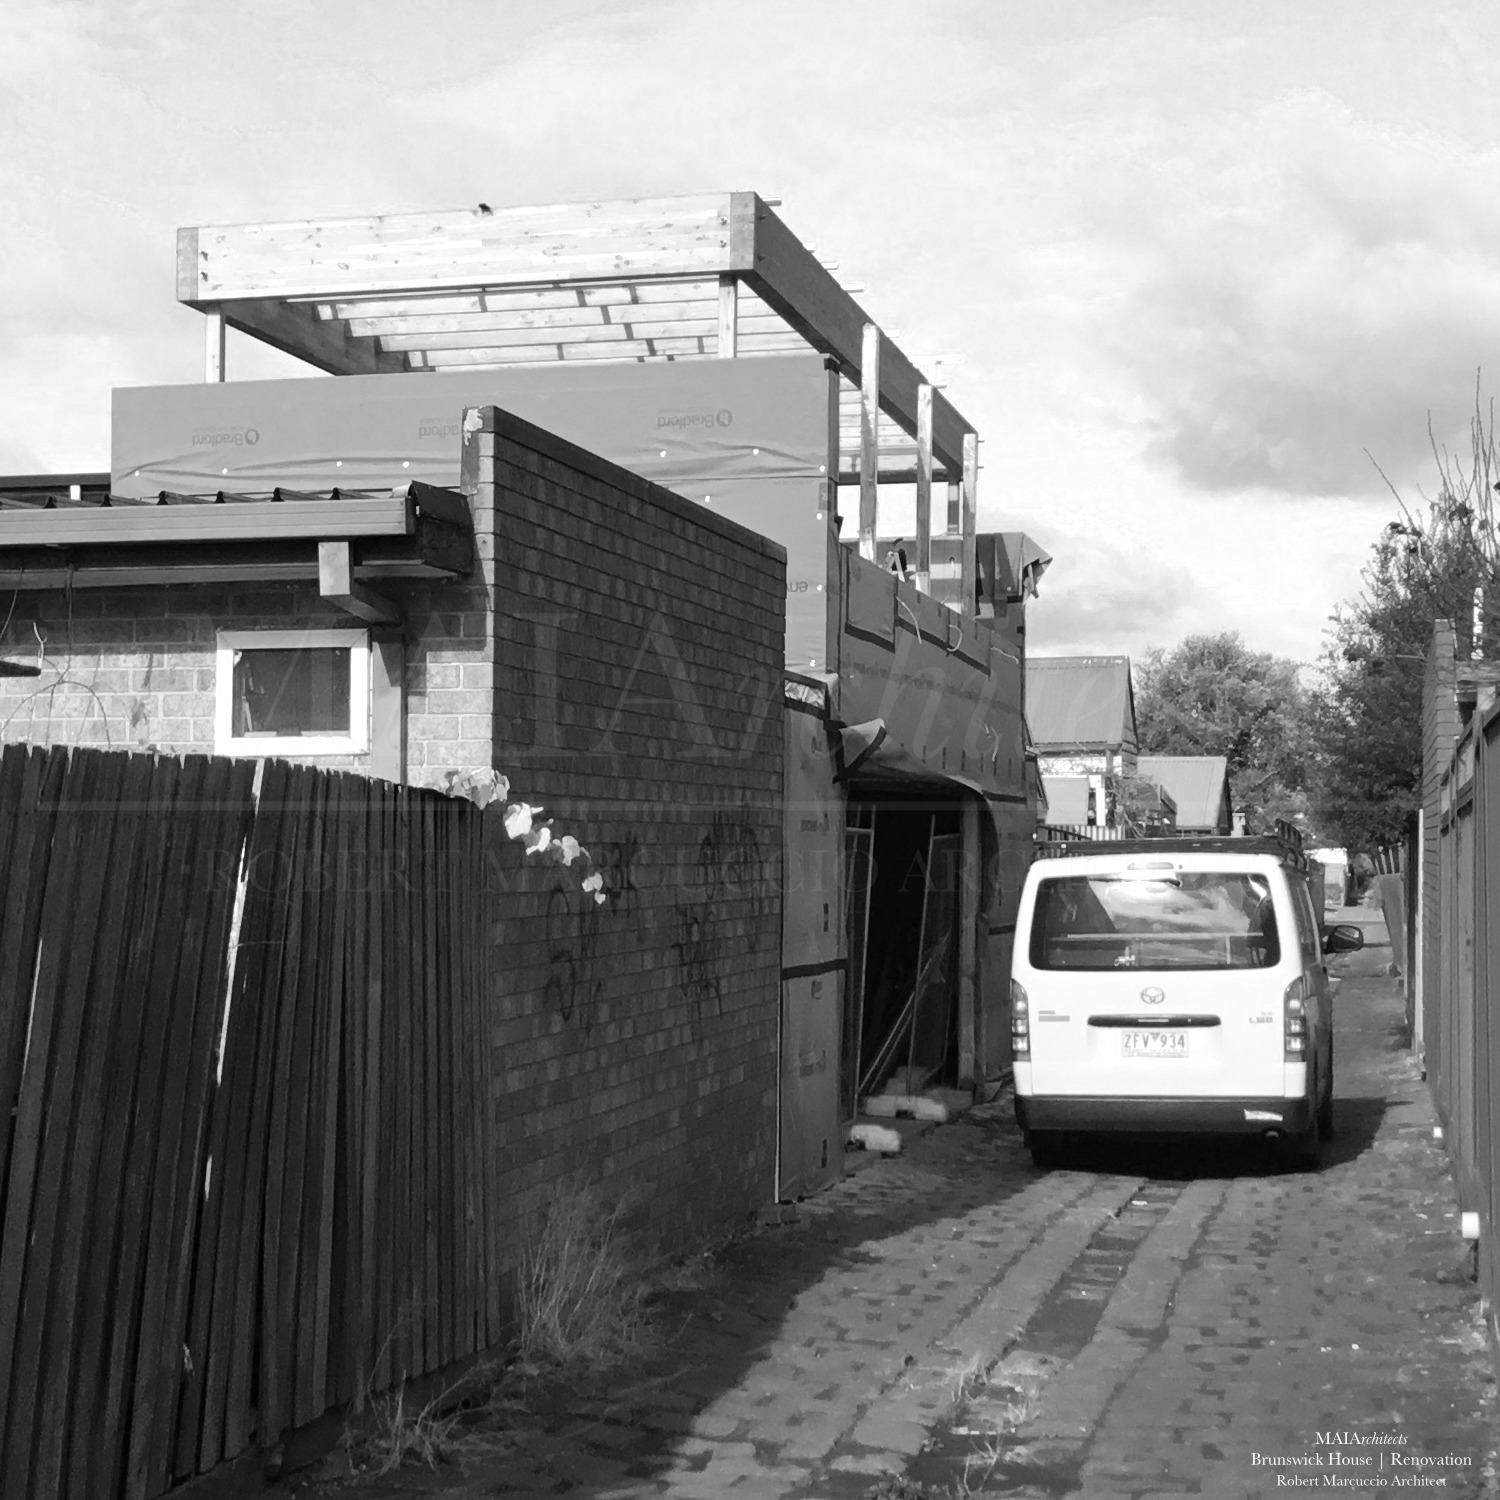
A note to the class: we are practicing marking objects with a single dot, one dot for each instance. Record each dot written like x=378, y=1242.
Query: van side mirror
x=1344, y=938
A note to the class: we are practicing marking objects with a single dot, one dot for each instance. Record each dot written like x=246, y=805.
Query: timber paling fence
x=1457, y=999
x=243, y=1133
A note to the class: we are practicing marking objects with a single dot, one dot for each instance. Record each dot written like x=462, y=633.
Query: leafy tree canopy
x=1213, y=695
x=1365, y=783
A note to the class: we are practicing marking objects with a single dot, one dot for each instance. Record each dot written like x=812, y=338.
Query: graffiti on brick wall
x=728, y=881
x=576, y=926
x=617, y=863
x=575, y=984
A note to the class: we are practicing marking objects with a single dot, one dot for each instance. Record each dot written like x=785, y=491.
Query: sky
x=1205, y=275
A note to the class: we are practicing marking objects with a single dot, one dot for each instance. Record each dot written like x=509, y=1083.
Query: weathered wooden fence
x=1458, y=989
x=242, y=1180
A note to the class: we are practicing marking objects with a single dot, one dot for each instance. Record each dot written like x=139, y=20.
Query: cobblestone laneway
x=1145, y=1323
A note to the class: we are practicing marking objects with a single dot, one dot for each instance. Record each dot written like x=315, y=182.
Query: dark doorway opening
x=903, y=872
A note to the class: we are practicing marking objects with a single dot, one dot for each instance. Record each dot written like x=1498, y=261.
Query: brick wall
x=638, y=668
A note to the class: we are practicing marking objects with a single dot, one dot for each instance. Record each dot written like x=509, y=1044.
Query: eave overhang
x=50, y=539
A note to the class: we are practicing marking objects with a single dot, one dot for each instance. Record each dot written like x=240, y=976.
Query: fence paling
x=46, y=1080
x=318, y=1286
x=262, y=944
x=31, y=853
x=227, y=792
x=211, y=1330
x=304, y=1245
x=194, y=1035
x=39, y=1373
x=73, y=1336
x=140, y=1084
x=127, y=893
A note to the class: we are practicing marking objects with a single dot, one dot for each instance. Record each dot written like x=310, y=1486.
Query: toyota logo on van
x=1153, y=996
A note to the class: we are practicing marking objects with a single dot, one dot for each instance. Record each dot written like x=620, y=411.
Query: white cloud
x=1326, y=287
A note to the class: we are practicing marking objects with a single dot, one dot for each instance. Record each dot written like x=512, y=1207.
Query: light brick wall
x=133, y=668
x=638, y=698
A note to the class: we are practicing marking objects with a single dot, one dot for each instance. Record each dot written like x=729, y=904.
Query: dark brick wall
x=638, y=670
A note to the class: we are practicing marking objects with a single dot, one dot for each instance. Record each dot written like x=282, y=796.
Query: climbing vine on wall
x=523, y=824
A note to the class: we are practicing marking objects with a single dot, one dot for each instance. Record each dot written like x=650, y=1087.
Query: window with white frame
x=292, y=692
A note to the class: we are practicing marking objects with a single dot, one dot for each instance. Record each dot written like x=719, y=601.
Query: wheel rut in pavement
x=978, y=1448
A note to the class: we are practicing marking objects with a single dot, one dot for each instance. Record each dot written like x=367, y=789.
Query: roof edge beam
x=792, y=280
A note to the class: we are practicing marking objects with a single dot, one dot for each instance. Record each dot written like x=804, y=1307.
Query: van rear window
x=1191, y=919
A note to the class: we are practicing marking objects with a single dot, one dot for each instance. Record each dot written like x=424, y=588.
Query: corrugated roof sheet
x=1079, y=701
x=1198, y=783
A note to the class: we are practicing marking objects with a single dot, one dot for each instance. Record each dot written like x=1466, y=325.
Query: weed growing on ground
x=899, y=1487
x=583, y=1290
x=584, y=1301
x=965, y=1379
x=396, y=1430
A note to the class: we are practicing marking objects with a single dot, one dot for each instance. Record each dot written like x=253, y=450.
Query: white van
x=1173, y=986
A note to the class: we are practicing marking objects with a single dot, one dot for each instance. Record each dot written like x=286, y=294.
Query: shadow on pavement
x=1357, y=1120
x=614, y=1434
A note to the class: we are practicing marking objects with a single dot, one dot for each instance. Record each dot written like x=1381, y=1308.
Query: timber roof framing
x=650, y=278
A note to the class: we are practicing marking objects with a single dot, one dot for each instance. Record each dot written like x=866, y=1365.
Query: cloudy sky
x=1199, y=265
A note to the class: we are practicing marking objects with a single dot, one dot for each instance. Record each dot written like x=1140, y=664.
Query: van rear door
x=1157, y=981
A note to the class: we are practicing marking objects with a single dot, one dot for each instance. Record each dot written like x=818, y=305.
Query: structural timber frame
x=706, y=276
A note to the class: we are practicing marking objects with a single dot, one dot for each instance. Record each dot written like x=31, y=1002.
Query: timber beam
x=793, y=282
x=337, y=585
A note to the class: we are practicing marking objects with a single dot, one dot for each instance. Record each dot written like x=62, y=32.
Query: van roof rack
x=1285, y=842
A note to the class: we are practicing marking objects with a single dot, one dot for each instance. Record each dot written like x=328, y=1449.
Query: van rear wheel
x=1305, y=1149
x=1325, y=1105
x=1046, y=1148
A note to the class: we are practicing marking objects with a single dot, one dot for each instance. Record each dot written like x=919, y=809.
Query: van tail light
x=1020, y=1026
x=1294, y=1010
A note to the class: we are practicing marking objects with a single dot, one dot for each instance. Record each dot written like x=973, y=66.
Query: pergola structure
x=701, y=277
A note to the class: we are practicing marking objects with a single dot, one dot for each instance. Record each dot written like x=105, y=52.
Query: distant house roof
x=1198, y=783
x=1080, y=703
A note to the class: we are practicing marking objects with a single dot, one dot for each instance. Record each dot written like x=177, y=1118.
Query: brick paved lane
x=1156, y=1322
x=1271, y=1330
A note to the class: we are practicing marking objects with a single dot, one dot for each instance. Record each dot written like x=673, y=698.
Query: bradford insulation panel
x=748, y=438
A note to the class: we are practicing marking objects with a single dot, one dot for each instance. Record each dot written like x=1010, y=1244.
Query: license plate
x=1154, y=1043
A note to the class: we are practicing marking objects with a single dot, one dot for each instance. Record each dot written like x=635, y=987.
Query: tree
x=1212, y=695
x=1438, y=562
